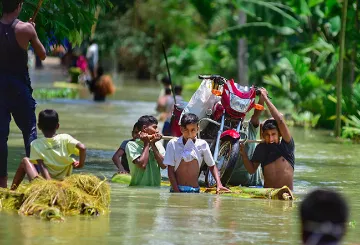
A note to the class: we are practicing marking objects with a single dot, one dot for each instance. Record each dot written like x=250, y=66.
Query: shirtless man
x=15, y=86
x=275, y=155
x=185, y=154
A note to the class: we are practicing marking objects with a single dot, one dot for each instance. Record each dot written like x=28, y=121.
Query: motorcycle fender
x=232, y=133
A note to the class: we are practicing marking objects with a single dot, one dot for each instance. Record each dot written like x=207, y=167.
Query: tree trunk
x=242, y=54
x=340, y=69
x=354, y=52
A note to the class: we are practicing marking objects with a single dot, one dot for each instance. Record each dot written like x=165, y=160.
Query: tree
x=340, y=70
x=58, y=19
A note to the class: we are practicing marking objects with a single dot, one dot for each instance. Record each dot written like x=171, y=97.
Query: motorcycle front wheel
x=229, y=151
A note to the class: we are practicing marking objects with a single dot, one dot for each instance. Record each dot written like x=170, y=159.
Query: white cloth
x=93, y=53
x=177, y=151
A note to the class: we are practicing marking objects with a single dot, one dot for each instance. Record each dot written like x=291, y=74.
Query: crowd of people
x=324, y=213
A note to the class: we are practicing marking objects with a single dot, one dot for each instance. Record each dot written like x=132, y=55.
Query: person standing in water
x=15, y=85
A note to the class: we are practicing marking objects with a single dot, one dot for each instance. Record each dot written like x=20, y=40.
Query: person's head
x=100, y=71
x=189, y=126
x=168, y=91
x=178, y=90
x=270, y=131
x=166, y=82
x=135, y=131
x=148, y=124
x=12, y=6
x=48, y=121
x=324, y=215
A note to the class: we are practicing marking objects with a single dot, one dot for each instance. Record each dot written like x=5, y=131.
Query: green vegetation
x=57, y=19
x=292, y=47
x=55, y=93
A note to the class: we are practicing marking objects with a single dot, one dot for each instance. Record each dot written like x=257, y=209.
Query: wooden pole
x=340, y=69
x=37, y=10
x=173, y=137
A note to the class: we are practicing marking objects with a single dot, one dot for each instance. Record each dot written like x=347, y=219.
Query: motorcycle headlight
x=239, y=104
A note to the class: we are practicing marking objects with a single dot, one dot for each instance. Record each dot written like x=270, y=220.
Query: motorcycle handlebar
x=216, y=78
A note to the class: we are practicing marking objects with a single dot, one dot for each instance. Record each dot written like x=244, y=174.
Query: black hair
x=189, y=118
x=136, y=127
x=9, y=6
x=167, y=91
x=270, y=124
x=48, y=120
x=324, y=207
x=166, y=81
x=100, y=71
x=178, y=89
x=146, y=121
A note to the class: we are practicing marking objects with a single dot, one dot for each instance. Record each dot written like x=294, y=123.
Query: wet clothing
x=240, y=175
x=187, y=189
x=268, y=153
x=56, y=153
x=150, y=176
x=176, y=151
x=124, y=161
x=15, y=93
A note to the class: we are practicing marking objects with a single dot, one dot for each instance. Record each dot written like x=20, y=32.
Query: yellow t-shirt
x=56, y=153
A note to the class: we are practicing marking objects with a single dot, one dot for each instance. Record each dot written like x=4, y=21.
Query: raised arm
x=158, y=156
x=35, y=42
x=255, y=118
x=143, y=159
x=284, y=130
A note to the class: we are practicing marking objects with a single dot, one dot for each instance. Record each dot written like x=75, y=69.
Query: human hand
x=32, y=22
x=123, y=172
x=144, y=137
x=156, y=137
x=76, y=164
x=263, y=93
x=221, y=188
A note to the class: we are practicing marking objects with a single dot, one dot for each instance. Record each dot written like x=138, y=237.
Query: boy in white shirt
x=184, y=156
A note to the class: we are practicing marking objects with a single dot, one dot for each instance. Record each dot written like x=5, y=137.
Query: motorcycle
x=223, y=126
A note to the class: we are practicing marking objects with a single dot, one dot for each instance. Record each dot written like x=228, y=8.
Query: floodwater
x=153, y=215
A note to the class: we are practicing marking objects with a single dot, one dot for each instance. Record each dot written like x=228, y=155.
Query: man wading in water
x=15, y=86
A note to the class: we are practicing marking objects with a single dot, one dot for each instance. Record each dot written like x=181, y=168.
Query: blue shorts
x=16, y=100
x=187, y=189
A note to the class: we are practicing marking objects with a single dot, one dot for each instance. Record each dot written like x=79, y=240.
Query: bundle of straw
x=51, y=199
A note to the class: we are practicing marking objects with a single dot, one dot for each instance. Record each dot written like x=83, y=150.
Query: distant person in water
x=51, y=153
x=123, y=165
x=324, y=215
x=101, y=86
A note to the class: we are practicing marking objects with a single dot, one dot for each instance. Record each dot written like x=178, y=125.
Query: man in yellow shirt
x=52, y=153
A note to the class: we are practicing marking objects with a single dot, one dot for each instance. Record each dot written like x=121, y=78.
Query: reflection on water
x=154, y=216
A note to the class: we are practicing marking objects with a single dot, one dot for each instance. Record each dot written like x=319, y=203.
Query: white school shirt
x=175, y=150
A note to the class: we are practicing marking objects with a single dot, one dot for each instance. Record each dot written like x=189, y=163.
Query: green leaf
x=313, y=3
x=335, y=25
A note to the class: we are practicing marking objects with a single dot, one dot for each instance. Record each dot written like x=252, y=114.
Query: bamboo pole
x=37, y=10
x=173, y=137
x=340, y=69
